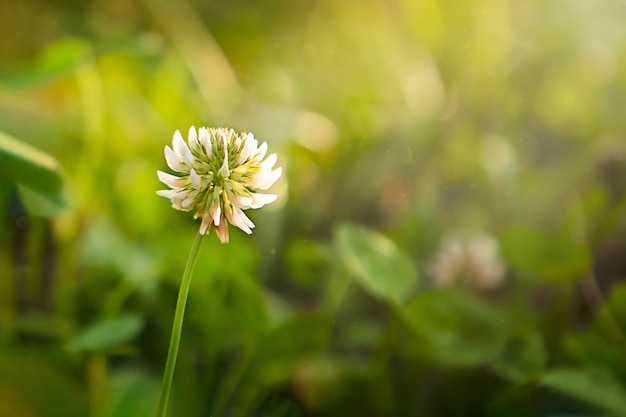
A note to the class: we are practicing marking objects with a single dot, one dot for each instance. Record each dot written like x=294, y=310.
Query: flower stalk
x=166, y=385
x=219, y=173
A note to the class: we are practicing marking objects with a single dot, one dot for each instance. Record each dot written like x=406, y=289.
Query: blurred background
x=450, y=233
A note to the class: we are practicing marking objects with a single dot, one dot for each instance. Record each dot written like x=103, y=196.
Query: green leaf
x=523, y=356
x=33, y=384
x=588, y=214
x=104, y=245
x=376, y=263
x=40, y=204
x=592, y=348
x=280, y=406
x=233, y=308
x=243, y=306
x=615, y=308
x=36, y=174
x=595, y=386
x=280, y=350
x=39, y=326
x=56, y=60
x=459, y=330
x=553, y=258
x=602, y=345
x=305, y=261
x=106, y=334
x=133, y=393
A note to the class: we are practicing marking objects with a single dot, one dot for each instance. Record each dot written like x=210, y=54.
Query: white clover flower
x=473, y=262
x=220, y=173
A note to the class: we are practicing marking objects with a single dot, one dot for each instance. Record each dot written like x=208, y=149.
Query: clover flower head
x=472, y=262
x=219, y=174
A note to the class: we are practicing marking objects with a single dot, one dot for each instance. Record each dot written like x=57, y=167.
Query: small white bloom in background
x=470, y=262
x=219, y=174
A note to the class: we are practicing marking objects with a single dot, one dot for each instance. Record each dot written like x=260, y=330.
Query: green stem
x=335, y=292
x=228, y=387
x=97, y=374
x=166, y=386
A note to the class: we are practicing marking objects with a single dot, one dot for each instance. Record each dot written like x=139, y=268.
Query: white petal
x=206, y=222
x=246, y=219
x=241, y=201
x=222, y=232
x=182, y=150
x=269, y=162
x=192, y=138
x=224, y=139
x=263, y=182
x=259, y=200
x=262, y=151
x=174, y=161
x=178, y=143
x=173, y=194
x=215, y=210
x=264, y=172
x=188, y=201
x=177, y=206
x=205, y=141
x=224, y=171
x=236, y=218
x=196, y=181
x=249, y=149
x=171, y=180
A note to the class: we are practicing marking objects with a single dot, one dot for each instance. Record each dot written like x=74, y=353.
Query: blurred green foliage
x=401, y=125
